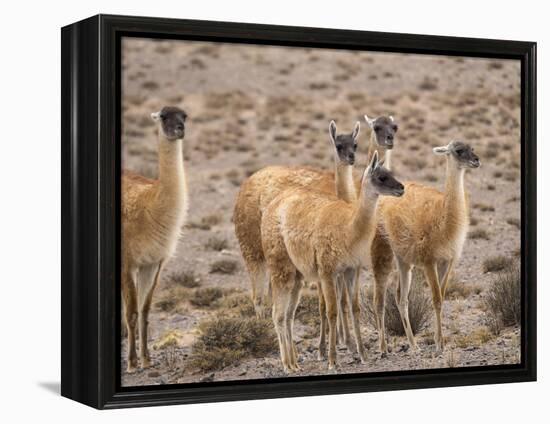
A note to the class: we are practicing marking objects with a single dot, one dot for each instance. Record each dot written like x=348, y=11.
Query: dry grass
x=514, y=222
x=171, y=300
x=224, y=266
x=483, y=207
x=206, y=297
x=216, y=243
x=420, y=308
x=239, y=304
x=503, y=299
x=186, y=279
x=460, y=290
x=478, y=337
x=308, y=310
x=495, y=263
x=479, y=234
x=225, y=341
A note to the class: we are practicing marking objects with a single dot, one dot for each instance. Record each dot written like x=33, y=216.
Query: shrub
x=241, y=304
x=420, y=308
x=224, y=266
x=478, y=337
x=495, y=264
x=226, y=341
x=307, y=311
x=169, y=300
x=216, y=243
x=503, y=298
x=514, y=222
x=206, y=297
x=186, y=279
x=479, y=233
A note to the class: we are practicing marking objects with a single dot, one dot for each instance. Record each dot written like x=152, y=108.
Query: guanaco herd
x=297, y=224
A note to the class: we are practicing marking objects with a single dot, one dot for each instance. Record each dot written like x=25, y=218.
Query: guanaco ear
x=373, y=163
x=355, y=132
x=332, y=131
x=442, y=150
x=391, y=118
x=155, y=116
x=370, y=121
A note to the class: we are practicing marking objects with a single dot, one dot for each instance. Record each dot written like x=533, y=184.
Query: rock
x=153, y=374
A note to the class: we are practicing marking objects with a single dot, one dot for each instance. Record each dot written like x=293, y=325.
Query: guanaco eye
x=394, y=128
x=383, y=178
x=377, y=128
x=355, y=147
x=339, y=147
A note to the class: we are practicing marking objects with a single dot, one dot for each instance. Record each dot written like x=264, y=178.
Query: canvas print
x=292, y=211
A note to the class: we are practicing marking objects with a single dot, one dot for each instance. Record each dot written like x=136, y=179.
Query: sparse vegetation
x=495, y=264
x=216, y=243
x=186, y=279
x=483, y=207
x=240, y=303
x=514, y=222
x=503, y=298
x=420, y=308
x=479, y=234
x=478, y=337
x=308, y=310
x=224, y=266
x=225, y=341
x=460, y=290
x=206, y=297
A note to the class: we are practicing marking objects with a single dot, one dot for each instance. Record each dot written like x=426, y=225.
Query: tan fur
x=254, y=196
x=312, y=235
x=153, y=212
x=425, y=228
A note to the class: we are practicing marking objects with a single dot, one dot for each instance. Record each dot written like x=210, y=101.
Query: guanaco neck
x=383, y=153
x=345, y=187
x=364, y=213
x=455, y=199
x=172, y=187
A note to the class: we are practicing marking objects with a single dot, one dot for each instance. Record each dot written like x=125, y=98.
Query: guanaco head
x=380, y=179
x=345, y=145
x=384, y=128
x=171, y=122
x=462, y=154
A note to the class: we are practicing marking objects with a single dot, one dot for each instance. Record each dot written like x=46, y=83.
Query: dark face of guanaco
x=381, y=179
x=345, y=145
x=384, y=129
x=171, y=120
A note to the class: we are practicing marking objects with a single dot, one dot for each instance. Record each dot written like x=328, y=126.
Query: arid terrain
x=252, y=106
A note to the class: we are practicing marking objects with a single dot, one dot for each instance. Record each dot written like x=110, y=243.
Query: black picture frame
x=90, y=132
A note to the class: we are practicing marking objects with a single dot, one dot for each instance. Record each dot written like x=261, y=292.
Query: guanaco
x=153, y=213
x=427, y=228
x=316, y=236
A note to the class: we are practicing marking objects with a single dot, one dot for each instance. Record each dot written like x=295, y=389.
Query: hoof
x=145, y=362
x=131, y=368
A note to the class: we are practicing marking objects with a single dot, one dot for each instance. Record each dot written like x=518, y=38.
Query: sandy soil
x=254, y=106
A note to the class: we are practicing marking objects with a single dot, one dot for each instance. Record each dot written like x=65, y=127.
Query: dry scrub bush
x=503, y=298
x=239, y=304
x=206, y=297
x=224, y=266
x=225, y=341
x=420, y=308
x=495, y=264
x=216, y=243
x=186, y=279
x=478, y=234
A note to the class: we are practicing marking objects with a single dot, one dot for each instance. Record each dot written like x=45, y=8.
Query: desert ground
x=253, y=106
